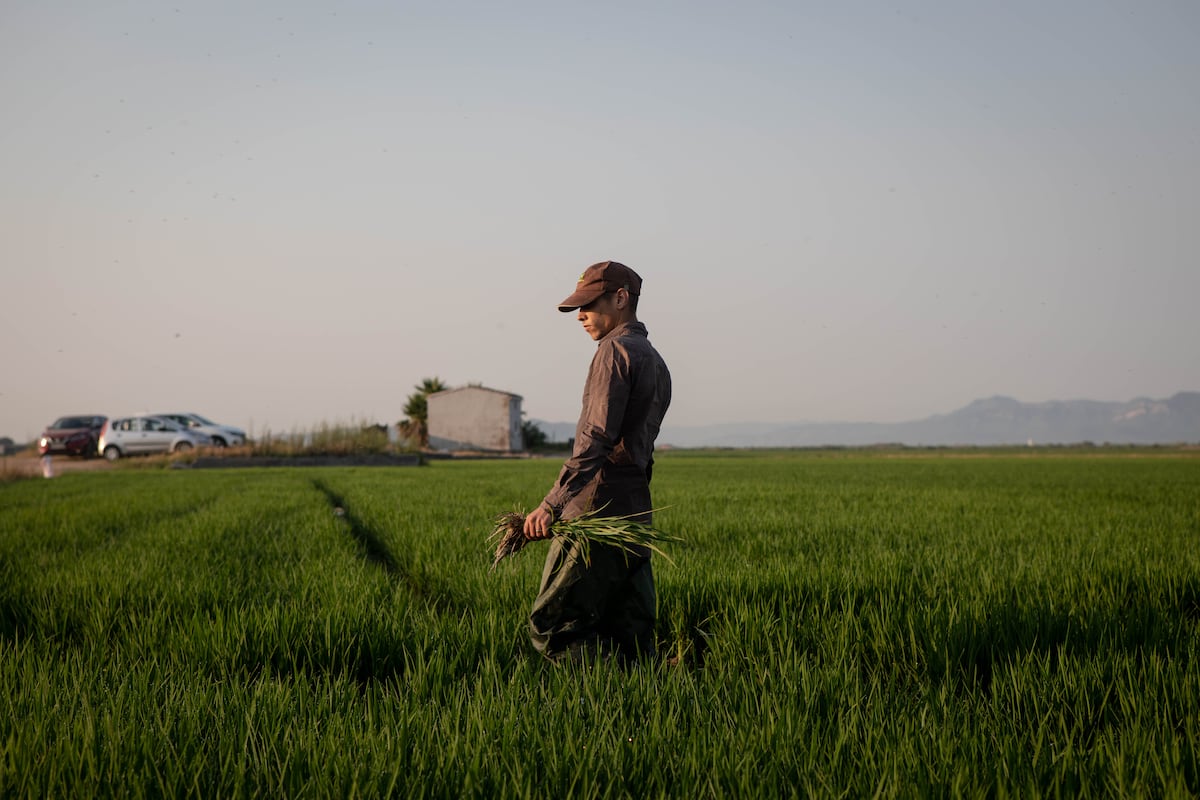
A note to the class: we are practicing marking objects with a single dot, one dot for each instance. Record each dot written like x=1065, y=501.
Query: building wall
x=475, y=418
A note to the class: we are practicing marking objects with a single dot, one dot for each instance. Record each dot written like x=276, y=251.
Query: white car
x=222, y=435
x=129, y=436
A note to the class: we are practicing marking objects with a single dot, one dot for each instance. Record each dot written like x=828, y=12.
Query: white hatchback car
x=128, y=436
x=222, y=435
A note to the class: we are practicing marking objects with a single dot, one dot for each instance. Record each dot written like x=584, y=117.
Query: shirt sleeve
x=599, y=430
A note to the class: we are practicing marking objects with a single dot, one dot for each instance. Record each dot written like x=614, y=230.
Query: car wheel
x=218, y=441
x=112, y=453
x=183, y=447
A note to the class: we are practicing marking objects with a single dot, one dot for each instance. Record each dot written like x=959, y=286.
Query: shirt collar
x=631, y=328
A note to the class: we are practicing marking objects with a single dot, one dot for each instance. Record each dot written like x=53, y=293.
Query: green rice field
x=838, y=624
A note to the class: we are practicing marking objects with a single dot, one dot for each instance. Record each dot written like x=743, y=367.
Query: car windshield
x=201, y=419
x=72, y=422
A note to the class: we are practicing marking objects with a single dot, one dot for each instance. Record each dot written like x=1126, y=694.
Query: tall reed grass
x=325, y=439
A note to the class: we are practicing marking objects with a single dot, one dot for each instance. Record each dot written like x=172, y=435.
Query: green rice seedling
x=841, y=624
x=623, y=532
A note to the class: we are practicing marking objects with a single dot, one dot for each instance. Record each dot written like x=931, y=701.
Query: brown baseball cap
x=606, y=276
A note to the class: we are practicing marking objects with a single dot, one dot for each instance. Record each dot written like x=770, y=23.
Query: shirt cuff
x=554, y=511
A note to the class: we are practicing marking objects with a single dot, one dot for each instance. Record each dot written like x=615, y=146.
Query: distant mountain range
x=991, y=421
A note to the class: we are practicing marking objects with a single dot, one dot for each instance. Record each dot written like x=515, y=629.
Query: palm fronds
x=620, y=532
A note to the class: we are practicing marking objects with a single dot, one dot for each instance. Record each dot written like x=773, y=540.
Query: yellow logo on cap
x=582, y=275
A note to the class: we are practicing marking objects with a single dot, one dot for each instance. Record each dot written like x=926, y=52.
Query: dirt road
x=30, y=463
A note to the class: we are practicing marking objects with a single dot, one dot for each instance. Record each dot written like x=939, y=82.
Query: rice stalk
x=620, y=532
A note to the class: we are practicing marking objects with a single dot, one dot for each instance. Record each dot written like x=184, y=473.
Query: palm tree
x=416, y=426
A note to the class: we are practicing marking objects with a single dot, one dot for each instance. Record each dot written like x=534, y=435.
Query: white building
x=475, y=418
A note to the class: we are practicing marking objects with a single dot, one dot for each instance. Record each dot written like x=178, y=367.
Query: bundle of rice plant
x=620, y=532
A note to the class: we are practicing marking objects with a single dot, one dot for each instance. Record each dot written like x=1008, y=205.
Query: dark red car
x=72, y=436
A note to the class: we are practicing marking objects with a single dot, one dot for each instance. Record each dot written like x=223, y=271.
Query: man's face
x=601, y=315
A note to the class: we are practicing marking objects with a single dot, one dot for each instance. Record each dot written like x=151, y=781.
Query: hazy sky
x=279, y=214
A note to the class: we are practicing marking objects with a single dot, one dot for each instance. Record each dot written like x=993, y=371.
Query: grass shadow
x=376, y=552
x=373, y=547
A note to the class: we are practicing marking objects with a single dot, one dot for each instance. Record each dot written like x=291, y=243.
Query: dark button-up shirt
x=625, y=398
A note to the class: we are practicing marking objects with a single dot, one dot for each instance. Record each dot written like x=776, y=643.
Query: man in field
x=605, y=607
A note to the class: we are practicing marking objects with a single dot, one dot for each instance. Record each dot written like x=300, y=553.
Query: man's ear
x=622, y=296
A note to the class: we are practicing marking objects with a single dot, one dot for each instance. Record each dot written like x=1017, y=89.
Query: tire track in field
x=376, y=552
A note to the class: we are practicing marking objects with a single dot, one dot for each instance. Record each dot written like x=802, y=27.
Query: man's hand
x=538, y=522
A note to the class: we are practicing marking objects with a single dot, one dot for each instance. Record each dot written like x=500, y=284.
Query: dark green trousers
x=602, y=606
